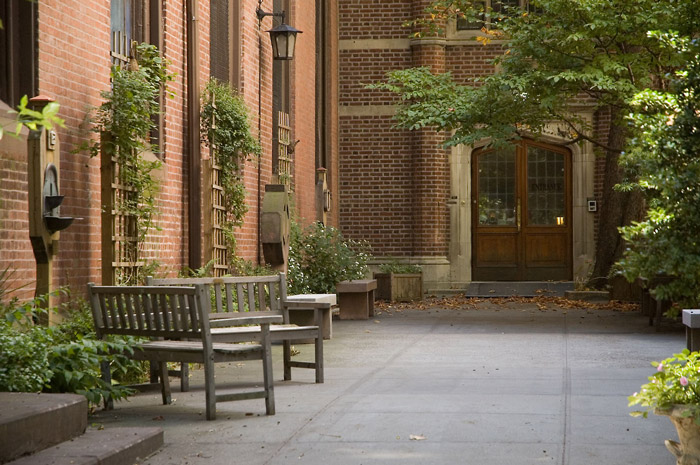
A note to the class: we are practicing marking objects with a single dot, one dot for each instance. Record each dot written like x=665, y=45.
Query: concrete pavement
x=496, y=384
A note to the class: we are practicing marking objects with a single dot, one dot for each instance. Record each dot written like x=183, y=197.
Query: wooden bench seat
x=257, y=296
x=176, y=320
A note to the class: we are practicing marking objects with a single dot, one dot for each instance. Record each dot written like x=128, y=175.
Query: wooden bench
x=257, y=296
x=176, y=320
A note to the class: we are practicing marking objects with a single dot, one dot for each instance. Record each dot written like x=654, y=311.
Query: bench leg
x=209, y=387
x=287, y=358
x=107, y=378
x=267, y=370
x=319, y=346
x=164, y=382
x=185, y=377
x=153, y=372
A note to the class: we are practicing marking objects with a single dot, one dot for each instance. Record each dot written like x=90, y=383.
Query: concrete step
x=32, y=422
x=43, y=429
x=508, y=289
x=113, y=446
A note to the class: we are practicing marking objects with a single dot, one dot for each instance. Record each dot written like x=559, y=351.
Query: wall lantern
x=283, y=37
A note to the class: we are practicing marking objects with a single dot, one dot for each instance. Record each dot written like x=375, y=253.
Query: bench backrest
x=255, y=295
x=172, y=312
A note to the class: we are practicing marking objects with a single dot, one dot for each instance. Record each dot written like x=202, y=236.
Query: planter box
x=399, y=287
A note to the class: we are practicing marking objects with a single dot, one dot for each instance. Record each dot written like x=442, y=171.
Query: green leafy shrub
x=61, y=358
x=676, y=382
x=319, y=258
x=24, y=363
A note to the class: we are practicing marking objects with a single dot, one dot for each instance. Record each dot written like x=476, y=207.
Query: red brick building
x=65, y=48
x=465, y=214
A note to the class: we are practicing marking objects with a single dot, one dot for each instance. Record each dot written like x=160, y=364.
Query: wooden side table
x=306, y=317
x=356, y=298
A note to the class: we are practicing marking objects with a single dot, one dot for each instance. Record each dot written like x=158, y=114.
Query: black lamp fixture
x=283, y=37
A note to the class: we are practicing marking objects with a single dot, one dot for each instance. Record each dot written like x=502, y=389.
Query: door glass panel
x=545, y=187
x=496, y=181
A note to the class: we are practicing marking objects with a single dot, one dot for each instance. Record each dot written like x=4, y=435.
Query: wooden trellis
x=120, y=241
x=218, y=219
x=284, y=154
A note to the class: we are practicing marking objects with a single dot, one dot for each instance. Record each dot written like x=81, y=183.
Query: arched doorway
x=521, y=213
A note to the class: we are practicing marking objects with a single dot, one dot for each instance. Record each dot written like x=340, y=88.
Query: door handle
x=517, y=215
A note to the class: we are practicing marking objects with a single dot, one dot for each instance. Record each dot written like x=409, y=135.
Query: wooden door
x=521, y=213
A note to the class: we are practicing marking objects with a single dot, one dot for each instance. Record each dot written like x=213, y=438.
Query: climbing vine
x=125, y=121
x=226, y=129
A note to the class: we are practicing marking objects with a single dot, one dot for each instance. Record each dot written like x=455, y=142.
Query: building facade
x=64, y=49
x=467, y=213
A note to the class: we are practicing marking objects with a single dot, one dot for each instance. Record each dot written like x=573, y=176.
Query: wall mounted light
x=283, y=37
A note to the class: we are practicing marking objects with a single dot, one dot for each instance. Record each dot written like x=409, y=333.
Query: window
x=137, y=21
x=491, y=10
x=18, y=43
x=224, y=46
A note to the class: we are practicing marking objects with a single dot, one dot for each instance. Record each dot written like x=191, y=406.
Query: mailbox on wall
x=45, y=221
x=44, y=173
x=275, y=225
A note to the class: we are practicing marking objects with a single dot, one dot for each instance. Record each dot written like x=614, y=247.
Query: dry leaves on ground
x=542, y=302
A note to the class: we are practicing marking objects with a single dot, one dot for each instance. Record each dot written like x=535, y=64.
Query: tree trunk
x=617, y=209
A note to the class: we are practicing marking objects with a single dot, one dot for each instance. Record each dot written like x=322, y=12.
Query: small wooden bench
x=176, y=320
x=258, y=296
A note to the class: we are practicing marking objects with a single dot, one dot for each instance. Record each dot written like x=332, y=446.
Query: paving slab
x=516, y=383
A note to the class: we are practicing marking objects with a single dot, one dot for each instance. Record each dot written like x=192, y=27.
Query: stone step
x=32, y=422
x=508, y=289
x=113, y=446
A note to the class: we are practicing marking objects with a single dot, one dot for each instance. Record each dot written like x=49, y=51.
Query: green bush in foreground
x=61, y=358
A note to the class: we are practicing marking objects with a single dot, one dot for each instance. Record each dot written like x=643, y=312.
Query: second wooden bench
x=258, y=296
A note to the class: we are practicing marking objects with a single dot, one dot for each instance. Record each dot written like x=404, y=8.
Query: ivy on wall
x=125, y=121
x=225, y=128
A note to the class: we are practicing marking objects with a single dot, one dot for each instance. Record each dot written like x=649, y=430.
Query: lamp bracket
x=262, y=14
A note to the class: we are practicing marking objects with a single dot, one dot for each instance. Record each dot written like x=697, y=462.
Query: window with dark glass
x=136, y=21
x=18, y=43
x=464, y=24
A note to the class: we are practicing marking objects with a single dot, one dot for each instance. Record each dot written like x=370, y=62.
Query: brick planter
x=397, y=287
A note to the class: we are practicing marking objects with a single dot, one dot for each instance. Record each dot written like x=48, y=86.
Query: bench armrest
x=244, y=320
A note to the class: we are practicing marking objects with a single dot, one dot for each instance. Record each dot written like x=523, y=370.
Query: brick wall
x=394, y=184
x=303, y=112
x=376, y=184
x=15, y=249
x=74, y=66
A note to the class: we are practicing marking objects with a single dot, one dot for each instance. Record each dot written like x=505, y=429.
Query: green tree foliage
x=320, y=257
x=569, y=52
x=32, y=119
x=665, y=160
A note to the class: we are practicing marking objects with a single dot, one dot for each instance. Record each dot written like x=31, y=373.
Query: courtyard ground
x=453, y=381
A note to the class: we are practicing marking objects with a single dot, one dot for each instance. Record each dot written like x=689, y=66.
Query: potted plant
x=399, y=282
x=674, y=391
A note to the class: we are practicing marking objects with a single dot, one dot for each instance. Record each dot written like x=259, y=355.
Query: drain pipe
x=193, y=144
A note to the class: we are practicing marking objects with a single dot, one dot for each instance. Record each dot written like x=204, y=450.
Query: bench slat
x=240, y=297
x=229, y=299
x=251, y=297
